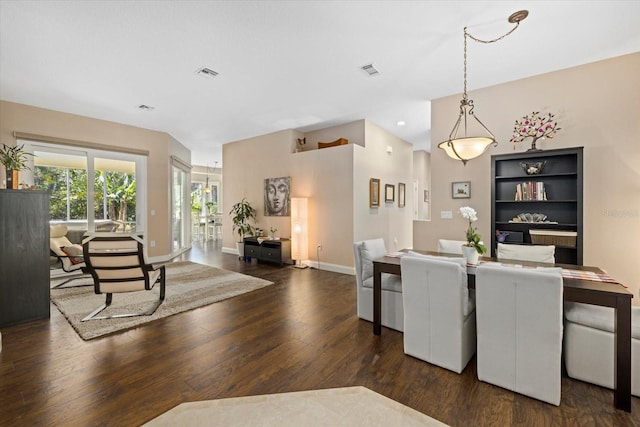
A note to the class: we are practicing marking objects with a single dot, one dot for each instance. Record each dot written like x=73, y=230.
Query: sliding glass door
x=92, y=190
x=180, y=206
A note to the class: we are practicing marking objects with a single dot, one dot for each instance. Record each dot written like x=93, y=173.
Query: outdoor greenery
x=120, y=193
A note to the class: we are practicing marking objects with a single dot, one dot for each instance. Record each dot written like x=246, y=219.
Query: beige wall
x=336, y=181
x=597, y=107
x=39, y=121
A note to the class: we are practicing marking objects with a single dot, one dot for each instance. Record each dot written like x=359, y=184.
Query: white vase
x=471, y=254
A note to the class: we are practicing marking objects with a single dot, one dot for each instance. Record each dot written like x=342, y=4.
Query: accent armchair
x=117, y=265
x=69, y=254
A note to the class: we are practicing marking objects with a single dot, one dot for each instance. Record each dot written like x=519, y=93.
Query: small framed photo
x=389, y=193
x=401, y=194
x=461, y=190
x=374, y=193
x=426, y=195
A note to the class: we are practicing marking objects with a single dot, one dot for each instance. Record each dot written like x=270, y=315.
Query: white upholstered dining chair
x=589, y=344
x=534, y=253
x=450, y=246
x=519, y=324
x=364, y=252
x=439, y=314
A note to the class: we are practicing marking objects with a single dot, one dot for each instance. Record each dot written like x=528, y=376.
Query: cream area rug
x=346, y=406
x=188, y=286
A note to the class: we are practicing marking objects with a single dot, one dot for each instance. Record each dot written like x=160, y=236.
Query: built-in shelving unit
x=24, y=256
x=562, y=180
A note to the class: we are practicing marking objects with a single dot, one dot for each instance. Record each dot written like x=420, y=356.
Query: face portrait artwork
x=277, y=196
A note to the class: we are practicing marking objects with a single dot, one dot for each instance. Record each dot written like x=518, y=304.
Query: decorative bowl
x=533, y=168
x=532, y=217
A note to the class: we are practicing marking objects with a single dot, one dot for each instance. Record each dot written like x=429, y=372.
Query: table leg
x=377, y=299
x=622, y=343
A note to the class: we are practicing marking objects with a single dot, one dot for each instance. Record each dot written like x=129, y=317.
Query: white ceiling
x=286, y=64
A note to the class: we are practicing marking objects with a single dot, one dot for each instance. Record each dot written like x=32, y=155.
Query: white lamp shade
x=299, y=228
x=466, y=148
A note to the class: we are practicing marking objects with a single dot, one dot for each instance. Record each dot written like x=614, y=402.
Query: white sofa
x=364, y=252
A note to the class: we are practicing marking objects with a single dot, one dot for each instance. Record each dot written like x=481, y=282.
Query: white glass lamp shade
x=466, y=148
x=299, y=229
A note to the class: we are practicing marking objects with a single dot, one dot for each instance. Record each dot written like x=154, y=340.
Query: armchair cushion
x=74, y=252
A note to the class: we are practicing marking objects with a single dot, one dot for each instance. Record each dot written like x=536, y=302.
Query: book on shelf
x=530, y=191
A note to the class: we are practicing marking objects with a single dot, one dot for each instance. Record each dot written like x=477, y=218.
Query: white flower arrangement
x=473, y=237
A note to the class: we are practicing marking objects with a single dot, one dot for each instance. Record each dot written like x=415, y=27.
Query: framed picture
x=389, y=192
x=277, y=196
x=426, y=195
x=374, y=192
x=461, y=190
x=401, y=194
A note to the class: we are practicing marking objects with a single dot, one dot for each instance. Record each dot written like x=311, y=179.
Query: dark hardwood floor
x=301, y=333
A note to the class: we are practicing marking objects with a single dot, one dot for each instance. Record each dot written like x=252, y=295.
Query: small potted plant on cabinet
x=241, y=213
x=14, y=159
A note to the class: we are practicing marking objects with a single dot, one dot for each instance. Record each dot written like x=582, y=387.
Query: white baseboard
x=336, y=268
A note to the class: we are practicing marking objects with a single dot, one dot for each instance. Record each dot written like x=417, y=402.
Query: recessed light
x=401, y=123
x=146, y=107
x=207, y=72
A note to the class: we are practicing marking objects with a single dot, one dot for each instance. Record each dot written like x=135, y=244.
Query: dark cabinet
x=555, y=192
x=24, y=256
x=273, y=251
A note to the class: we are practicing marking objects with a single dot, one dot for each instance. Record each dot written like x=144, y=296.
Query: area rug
x=347, y=406
x=188, y=286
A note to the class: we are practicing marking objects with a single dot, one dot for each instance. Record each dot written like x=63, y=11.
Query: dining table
x=587, y=288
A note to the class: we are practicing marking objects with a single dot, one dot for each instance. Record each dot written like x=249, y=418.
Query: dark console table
x=266, y=250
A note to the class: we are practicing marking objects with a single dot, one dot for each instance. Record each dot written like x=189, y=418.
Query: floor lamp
x=299, y=231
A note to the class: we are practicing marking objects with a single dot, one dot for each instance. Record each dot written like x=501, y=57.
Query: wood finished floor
x=301, y=333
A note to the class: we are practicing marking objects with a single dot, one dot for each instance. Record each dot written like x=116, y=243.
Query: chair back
x=519, y=324
x=364, y=252
x=436, y=308
x=116, y=264
x=534, y=253
x=450, y=246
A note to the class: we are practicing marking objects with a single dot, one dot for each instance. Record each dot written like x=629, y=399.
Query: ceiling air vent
x=207, y=72
x=145, y=107
x=370, y=69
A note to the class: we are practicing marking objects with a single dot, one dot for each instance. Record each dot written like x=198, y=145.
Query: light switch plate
x=446, y=215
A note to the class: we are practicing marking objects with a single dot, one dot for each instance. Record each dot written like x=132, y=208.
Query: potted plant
x=241, y=213
x=14, y=159
x=474, y=247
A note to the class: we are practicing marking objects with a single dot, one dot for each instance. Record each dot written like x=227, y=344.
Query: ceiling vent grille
x=371, y=70
x=207, y=72
x=145, y=107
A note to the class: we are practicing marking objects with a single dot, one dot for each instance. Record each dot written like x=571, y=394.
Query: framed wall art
x=461, y=190
x=401, y=194
x=389, y=193
x=277, y=196
x=374, y=192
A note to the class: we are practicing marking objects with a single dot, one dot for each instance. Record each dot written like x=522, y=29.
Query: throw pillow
x=74, y=252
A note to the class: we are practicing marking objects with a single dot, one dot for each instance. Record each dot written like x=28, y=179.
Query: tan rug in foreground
x=347, y=406
x=189, y=285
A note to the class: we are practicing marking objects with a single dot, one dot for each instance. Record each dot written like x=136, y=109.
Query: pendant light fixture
x=465, y=147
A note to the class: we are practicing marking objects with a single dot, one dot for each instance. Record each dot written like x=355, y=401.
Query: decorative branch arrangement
x=535, y=126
